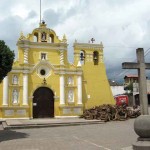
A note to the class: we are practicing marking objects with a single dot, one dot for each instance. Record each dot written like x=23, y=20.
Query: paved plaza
x=115, y=135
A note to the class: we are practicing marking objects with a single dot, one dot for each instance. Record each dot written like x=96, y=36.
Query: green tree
x=6, y=59
x=130, y=87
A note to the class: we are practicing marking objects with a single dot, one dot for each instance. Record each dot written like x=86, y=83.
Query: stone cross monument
x=141, y=66
x=142, y=123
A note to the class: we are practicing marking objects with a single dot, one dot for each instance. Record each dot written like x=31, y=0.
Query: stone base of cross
x=142, y=123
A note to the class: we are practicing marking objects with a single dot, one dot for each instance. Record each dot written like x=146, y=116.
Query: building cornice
x=42, y=45
x=88, y=46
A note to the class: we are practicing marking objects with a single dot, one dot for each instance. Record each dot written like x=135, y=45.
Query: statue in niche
x=15, y=96
x=43, y=36
x=70, y=80
x=70, y=96
x=15, y=79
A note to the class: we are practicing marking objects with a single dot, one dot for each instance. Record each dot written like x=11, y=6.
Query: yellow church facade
x=42, y=83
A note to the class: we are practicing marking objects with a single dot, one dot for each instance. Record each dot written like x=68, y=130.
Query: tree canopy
x=6, y=60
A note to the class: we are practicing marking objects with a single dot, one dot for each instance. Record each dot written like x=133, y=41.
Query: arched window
x=95, y=57
x=51, y=38
x=35, y=38
x=82, y=56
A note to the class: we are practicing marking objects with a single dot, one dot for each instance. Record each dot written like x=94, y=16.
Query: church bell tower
x=96, y=88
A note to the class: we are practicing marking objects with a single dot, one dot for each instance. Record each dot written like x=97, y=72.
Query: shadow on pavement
x=6, y=135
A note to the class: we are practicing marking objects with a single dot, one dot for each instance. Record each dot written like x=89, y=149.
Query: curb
x=27, y=126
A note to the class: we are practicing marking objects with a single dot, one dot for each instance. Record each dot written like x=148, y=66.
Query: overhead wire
x=125, y=71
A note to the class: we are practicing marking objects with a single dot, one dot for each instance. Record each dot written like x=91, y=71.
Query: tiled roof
x=131, y=76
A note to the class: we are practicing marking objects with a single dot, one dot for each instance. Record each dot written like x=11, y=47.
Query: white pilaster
x=5, y=91
x=25, y=89
x=79, y=90
x=62, y=90
x=26, y=55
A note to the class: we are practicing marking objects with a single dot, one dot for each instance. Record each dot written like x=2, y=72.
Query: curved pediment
x=43, y=34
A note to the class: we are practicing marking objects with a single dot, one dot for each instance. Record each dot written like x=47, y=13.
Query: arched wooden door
x=43, y=103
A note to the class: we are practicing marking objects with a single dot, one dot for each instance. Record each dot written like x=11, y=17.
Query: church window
x=42, y=72
x=15, y=95
x=95, y=57
x=15, y=79
x=43, y=56
x=70, y=96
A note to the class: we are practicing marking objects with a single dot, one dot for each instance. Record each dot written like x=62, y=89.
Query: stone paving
x=115, y=135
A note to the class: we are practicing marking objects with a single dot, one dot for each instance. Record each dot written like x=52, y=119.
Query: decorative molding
x=42, y=63
x=26, y=55
x=21, y=112
x=64, y=106
x=61, y=57
x=14, y=107
x=9, y=112
x=47, y=71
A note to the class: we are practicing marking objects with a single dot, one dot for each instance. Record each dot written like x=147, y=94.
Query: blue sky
x=122, y=25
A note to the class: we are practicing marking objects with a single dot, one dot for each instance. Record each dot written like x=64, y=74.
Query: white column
x=62, y=89
x=26, y=55
x=25, y=89
x=79, y=90
x=5, y=91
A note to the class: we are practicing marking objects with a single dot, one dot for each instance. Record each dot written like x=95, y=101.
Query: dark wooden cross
x=141, y=66
x=92, y=39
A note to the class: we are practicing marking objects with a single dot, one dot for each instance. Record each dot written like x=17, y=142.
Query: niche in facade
x=15, y=79
x=15, y=96
x=43, y=37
